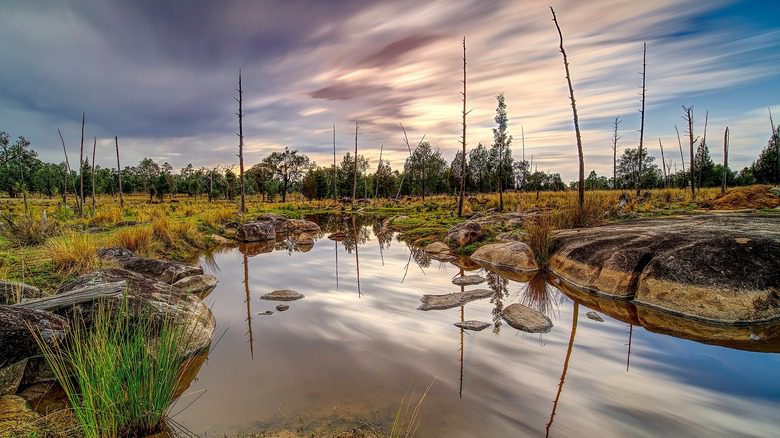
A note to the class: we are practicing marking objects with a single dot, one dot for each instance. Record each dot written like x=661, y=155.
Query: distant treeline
x=424, y=173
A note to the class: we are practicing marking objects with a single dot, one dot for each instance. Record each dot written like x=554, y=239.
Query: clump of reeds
x=540, y=230
x=136, y=239
x=161, y=229
x=406, y=422
x=121, y=371
x=73, y=253
x=106, y=216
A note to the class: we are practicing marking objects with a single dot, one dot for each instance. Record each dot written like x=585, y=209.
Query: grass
x=407, y=419
x=138, y=239
x=73, y=253
x=540, y=230
x=121, y=372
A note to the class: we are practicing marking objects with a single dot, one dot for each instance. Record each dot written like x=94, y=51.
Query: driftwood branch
x=77, y=296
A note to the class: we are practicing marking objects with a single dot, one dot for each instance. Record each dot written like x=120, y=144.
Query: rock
x=161, y=270
x=282, y=295
x=17, y=341
x=278, y=221
x=114, y=253
x=472, y=325
x=282, y=307
x=16, y=416
x=11, y=376
x=465, y=233
x=266, y=313
x=516, y=256
x=12, y=292
x=594, y=316
x=468, y=280
x=45, y=398
x=304, y=239
x=164, y=301
x=197, y=284
x=301, y=226
x=448, y=301
x=526, y=319
x=255, y=248
x=256, y=231
x=720, y=268
x=338, y=236
x=437, y=248
x=221, y=241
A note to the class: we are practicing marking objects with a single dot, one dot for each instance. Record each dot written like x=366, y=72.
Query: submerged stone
x=448, y=301
x=526, y=319
x=468, y=280
x=472, y=325
x=282, y=295
x=282, y=307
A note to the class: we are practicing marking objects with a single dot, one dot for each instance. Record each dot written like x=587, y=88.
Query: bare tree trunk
x=354, y=175
x=663, y=161
x=378, y=168
x=682, y=157
x=581, y=185
x=704, y=144
x=81, y=169
x=119, y=171
x=67, y=169
x=642, y=124
x=408, y=146
x=725, y=160
x=615, y=138
x=241, y=142
x=94, y=202
x=688, y=117
x=335, y=172
x=462, y=195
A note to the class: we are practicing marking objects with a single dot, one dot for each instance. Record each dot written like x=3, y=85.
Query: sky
x=162, y=76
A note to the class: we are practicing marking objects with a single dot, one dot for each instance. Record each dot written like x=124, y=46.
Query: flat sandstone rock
x=282, y=295
x=472, y=325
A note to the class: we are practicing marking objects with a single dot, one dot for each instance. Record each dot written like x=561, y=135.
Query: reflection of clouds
x=359, y=355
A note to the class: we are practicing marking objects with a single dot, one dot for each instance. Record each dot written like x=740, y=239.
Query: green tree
x=766, y=169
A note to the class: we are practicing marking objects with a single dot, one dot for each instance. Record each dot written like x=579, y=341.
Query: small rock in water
x=337, y=236
x=282, y=295
x=282, y=307
x=594, y=316
x=472, y=325
x=526, y=319
x=448, y=301
x=468, y=280
x=267, y=312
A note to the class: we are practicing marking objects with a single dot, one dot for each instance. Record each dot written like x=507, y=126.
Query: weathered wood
x=77, y=296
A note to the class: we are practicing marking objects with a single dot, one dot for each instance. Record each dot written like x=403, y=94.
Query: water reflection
x=335, y=359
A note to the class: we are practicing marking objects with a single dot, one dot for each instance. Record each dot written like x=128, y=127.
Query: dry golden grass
x=540, y=230
x=73, y=253
x=136, y=239
x=106, y=216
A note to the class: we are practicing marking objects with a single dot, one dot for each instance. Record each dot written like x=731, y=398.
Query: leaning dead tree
x=67, y=169
x=581, y=183
x=642, y=124
x=682, y=157
x=615, y=138
x=725, y=161
x=663, y=161
x=94, y=202
x=378, y=168
x=335, y=172
x=354, y=175
x=688, y=117
x=81, y=169
x=240, y=115
x=119, y=172
x=462, y=195
x=409, y=147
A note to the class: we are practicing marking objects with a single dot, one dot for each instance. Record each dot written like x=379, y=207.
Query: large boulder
x=465, y=233
x=18, y=343
x=719, y=268
x=197, y=284
x=302, y=226
x=516, y=256
x=12, y=292
x=278, y=221
x=158, y=269
x=256, y=231
x=166, y=302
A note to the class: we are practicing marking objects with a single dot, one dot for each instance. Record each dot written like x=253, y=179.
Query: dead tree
x=409, y=147
x=663, y=161
x=119, y=172
x=81, y=169
x=462, y=196
x=94, y=202
x=642, y=123
x=240, y=115
x=354, y=175
x=581, y=184
x=704, y=145
x=688, y=117
x=378, y=168
x=67, y=169
x=335, y=172
x=615, y=138
x=725, y=160
x=682, y=157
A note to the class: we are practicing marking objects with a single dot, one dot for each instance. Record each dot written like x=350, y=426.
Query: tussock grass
x=73, y=253
x=136, y=239
x=161, y=229
x=106, y=216
x=121, y=372
x=540, y=230
x=24, y=231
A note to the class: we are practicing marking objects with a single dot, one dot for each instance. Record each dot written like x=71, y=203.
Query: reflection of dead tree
x=248, y=308
x=462, y=319
x=630, y=338
x=336, y=247
x=575, y=314
x=357, y=256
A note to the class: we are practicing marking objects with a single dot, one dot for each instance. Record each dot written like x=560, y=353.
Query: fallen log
x=75, y=297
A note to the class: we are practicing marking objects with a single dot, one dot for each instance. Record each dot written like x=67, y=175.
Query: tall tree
x=581, y=184
x=94, y=202
x=501, y=140
x=289, y=166
x=354, y=177
x=462, y=195
x=682, y=156
x=240, y=115
x=724, y=183
x=642, y=125
x=119, y=171
x=81, y=169
x=615, y=138
x=335, y=178
x=688, y=117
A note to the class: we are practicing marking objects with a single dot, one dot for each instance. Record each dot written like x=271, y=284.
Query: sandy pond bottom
x=346, y=354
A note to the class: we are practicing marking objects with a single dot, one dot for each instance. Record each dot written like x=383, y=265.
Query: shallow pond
x=347, y=353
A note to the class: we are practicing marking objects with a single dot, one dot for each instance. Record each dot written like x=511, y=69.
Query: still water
x=347, y=353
